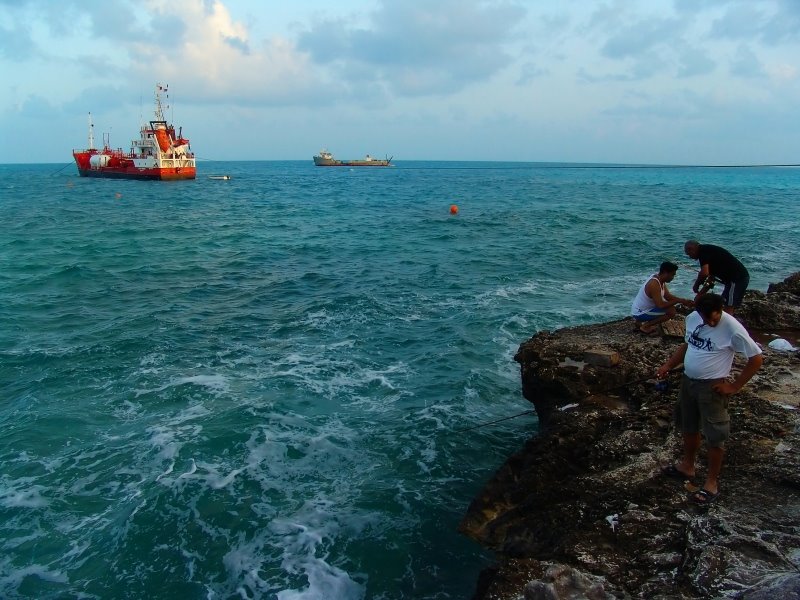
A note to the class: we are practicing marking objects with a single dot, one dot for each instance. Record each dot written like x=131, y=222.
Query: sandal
x=704, y=497
x=673, y=471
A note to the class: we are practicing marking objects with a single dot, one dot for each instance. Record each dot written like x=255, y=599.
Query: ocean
x=258, y=388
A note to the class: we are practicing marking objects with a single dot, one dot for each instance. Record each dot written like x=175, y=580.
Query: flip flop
x=653, y=331
x=672, y=471
x=704, y=497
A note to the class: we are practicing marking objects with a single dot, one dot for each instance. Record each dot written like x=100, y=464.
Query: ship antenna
x=91, y=133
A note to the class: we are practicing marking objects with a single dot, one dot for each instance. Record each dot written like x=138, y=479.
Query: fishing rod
x=526, y=412
x=642, y=380
x=696, y=270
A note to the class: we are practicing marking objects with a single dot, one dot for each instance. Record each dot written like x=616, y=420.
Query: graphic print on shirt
x=699, y=342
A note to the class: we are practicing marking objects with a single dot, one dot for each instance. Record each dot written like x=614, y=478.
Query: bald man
x=718, y=264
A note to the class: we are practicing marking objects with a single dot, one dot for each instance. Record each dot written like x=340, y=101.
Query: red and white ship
x=158, y=153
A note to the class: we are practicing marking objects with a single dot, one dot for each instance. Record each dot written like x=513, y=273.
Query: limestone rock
x=585, y=496
x=601, y=358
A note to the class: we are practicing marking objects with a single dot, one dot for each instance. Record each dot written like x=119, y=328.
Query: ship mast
x=159, y=109
x=91, y=133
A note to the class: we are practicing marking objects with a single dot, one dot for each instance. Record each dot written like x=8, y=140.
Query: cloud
x=745, y=21
x=115, y=21
x=399, y=49
x=680, y=105
x=773, y=22
x=645, y=35
x=531, y=71
x=198, y=46
x=694, y=62
x=642, y=45
x=16, y=44
x=746, y=64
x=36, y=107
x=416, y=49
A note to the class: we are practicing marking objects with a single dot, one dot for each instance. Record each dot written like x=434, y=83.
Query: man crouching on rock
x=712, y=339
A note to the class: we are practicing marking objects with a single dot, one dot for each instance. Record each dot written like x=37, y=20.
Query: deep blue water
x=254, y=388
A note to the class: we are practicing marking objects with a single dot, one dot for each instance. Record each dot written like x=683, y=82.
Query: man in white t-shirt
x=712, y=339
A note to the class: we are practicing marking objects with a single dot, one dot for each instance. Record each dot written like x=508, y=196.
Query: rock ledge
x=582, y=510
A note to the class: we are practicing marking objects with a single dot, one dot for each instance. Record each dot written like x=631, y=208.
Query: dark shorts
x=651, y=314
x=733, y=292
x=702, y=410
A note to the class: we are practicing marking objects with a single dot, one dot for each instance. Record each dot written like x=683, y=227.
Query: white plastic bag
x=782, y=345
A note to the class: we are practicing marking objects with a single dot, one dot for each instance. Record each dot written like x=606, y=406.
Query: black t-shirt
x=721, y=264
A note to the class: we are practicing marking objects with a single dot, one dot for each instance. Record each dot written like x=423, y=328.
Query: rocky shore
x=582, y=510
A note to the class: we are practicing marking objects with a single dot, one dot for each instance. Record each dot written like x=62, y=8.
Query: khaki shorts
x=701, y=409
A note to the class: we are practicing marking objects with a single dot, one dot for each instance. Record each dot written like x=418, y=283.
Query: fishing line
x=526, y=412
x=62, y=168
x=616, y=387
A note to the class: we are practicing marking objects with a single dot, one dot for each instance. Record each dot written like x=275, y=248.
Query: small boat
x=159, y=153
x=326, y=159
x=222, y=177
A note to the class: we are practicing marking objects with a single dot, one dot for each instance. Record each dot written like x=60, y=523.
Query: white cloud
x=214, y=56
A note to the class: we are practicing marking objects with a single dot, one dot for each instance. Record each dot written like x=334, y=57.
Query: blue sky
x=656, y=81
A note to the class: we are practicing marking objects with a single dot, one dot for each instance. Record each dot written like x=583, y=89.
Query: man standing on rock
x=654, y=303
x=712, y=339
x=718, y=263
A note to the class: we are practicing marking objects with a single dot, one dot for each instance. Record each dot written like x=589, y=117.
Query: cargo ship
x=159, y=153
x=326, y=159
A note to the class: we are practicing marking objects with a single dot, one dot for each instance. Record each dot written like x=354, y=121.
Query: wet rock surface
x=583, y=511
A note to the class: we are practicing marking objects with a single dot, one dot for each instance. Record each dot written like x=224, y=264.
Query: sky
x=707, y=82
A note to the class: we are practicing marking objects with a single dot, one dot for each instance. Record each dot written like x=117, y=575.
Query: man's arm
x=675, y=299
x=704, y=279
x=673, y=361
x=727, y=387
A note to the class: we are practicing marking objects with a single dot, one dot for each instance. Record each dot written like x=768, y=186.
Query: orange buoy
x=453, y=209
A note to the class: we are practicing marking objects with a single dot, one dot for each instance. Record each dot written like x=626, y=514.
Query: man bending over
x=718, y=263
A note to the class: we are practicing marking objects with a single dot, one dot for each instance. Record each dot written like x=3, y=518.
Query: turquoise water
x=254, y=388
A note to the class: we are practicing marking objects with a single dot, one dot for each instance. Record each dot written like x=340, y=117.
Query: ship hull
x=325, y=162
x=141, y=174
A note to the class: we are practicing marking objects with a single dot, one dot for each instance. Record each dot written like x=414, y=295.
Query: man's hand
x=726, y=388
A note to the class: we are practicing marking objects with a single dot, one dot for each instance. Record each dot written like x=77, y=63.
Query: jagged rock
x=784, y=586
x=565, y=583
x=674, y=328
x=587, y=494
x=778, y=309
